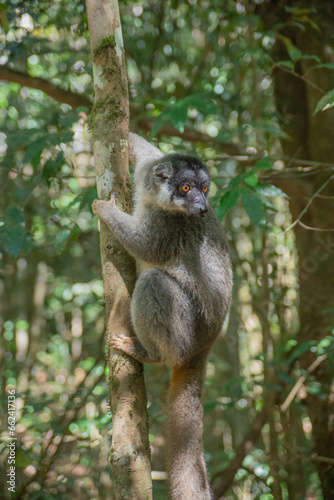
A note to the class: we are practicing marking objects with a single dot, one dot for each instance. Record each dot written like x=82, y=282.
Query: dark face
x=182, y=184
x=190, y=185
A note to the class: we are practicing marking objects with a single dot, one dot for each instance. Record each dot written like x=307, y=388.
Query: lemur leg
x=132, y=347
x=162, y=317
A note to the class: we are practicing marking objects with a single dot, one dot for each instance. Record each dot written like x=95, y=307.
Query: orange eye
x=185, y=188
x=205, y=190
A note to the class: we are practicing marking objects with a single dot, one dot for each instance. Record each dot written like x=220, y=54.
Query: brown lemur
x=182, y=294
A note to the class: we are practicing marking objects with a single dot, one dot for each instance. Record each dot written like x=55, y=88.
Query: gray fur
x=182, y=294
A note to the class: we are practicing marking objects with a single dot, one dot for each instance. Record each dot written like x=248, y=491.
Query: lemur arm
x=124, y=226
x=133, y=235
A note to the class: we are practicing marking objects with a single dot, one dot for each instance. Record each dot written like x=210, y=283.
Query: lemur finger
x=113, y=198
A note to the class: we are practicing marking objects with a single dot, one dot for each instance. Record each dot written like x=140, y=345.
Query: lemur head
x=180, y=183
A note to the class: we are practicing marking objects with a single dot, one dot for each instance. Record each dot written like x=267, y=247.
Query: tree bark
x=312, y=139
x=109, y=123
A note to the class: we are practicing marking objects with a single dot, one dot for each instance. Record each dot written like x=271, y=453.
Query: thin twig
x=289, y=173
x=306, y=456
x=307, y=162
x=309, y=203
x=294, y=391
x=310, y=228
x=257, y=477
x=301, y=77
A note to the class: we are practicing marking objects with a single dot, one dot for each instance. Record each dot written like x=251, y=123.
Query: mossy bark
x=109, y=123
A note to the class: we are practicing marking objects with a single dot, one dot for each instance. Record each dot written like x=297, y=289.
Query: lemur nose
x=203, y=210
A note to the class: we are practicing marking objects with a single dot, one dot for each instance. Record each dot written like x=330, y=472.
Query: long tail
x=184, y=449
x=142, y=151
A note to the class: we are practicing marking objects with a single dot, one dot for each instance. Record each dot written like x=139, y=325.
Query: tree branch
x=25, y=80
x=75, y=100
x=294, y=391
x=195, y=136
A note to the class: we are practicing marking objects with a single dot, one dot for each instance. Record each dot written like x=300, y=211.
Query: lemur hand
x=101, y=207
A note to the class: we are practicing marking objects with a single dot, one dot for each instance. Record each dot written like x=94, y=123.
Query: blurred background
x=248, y=87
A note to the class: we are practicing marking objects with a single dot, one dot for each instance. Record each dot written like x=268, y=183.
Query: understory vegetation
x=248, y=87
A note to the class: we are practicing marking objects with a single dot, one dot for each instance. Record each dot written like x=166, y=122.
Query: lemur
x=182, y=294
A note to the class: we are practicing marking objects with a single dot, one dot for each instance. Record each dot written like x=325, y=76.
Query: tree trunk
x=109, y=123
x=312, y=139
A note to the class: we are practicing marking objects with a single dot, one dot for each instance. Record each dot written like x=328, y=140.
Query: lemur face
x=182, y=183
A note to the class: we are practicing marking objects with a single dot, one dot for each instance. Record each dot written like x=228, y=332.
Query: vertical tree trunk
x=312, y=139
x=109, y=123
x=269, y=377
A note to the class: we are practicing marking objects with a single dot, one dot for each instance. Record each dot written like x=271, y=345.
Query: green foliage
x=13, y=235
x=205, y=68
x=253, y=194
x=177, y=112
x=327, y=101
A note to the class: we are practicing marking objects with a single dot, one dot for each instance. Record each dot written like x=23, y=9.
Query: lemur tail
x=142, y=151
x=184, y=449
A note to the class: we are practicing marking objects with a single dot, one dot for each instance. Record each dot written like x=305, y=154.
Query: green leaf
x=263, y=164
x=237, y=179
x=329, y=65
x=284, y=377
x=88, y=197
x=273, y=129
x=298, y=11
x=162, y=118
x=14, y=214
x=325, y=345
x=209, y=406
x=311, y=56
x=15, y=239
x=13, y=235
x=52, y=167
x=327, y=101
x=4, y=18
x=293, y=51
x=62, y=237
x=287, y=64
x=177, y=112
x=202, y=102
x=227, y=202
x=301, y=349
x=87, y=363
x=67, y=137
x=22, y=459
x=254, y=206
x=252, y=179
x=34, y=151
x=295, y=55
x=315, y=389
x=269, y=190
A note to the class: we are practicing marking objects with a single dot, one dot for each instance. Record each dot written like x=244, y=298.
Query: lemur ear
x=164, y=171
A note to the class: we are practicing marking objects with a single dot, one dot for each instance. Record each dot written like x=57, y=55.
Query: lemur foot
x=131, y=346
x=122, y=342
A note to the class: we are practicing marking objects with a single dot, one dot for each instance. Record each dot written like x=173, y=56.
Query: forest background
x=248, y=87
